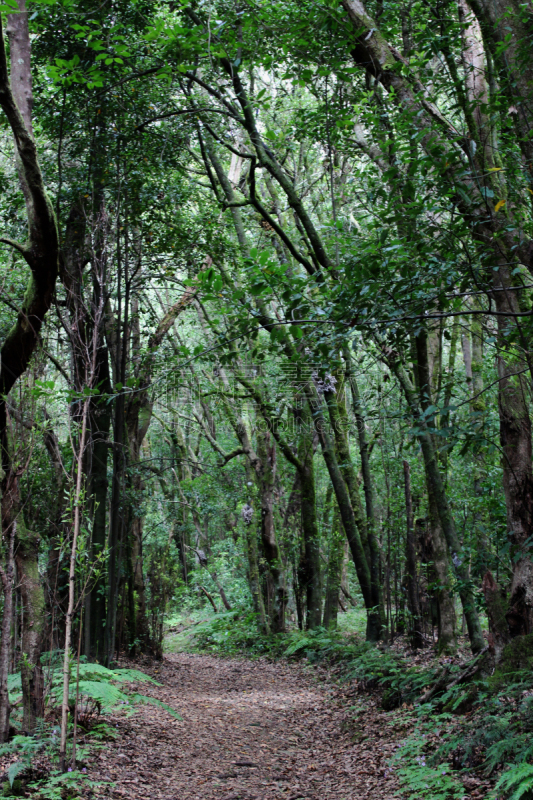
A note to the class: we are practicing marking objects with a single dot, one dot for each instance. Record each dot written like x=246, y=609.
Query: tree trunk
x=116, y=528
x=72, y=578
x=505, y=21
x=346, y=511
x=41, y=252
x=367, y=477
x=334, y=573
x=339, y=424
x=441, y=563
x=100, y=423
x=428, y=581
x=254, y=580
x=440, y=510
x=310, y=572
x=410, y=565
x=33, y=624
x=18, y=33
x=274, y=579
x=9, y=529
x=142, y=631
x=497, y=607
x=473, y=359
x=515, y=438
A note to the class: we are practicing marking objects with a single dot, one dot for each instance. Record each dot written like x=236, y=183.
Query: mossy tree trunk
x=310, y=572
x=366, y=472
x=251, y=536
x=41, y=253
x=33, y=623
x=339, y=425
x=411, y=575
x=334, y=571
x=441, y=558
x=9, y=527
x=100, y=424
x=497, y=607
x=274, y=576
x=345, y=508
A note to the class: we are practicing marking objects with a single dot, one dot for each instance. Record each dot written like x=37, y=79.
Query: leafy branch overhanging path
x=251, y=730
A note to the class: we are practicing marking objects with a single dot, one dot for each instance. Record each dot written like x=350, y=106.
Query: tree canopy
x=266, y=284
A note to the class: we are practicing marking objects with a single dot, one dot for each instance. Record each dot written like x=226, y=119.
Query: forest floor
x=251, y=730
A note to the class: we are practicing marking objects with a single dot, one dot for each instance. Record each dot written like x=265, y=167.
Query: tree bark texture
x=72, y=587
x=100, y=425
x=310, y=571
x=274, y=579
x=339, y=425
x=345, y=507
x=9, y=529
x=33, y=623
x=334, y=571
x=411, y=575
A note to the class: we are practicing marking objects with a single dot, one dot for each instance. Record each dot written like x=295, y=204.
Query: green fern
x=15, y=770
x=518, y=748
x=153, y=701
x=107, y=694
x=100, y=673
x=519, y=780
x=297, y=646
x=59, y=786
x=429, y=782
x=26, y=747
x=424, y=779
x=100, y=684
x=14, y=688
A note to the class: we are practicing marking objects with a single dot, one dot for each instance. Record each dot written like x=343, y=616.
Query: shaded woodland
x=265, y=319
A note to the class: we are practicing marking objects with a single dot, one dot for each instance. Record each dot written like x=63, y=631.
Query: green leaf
x=14, y=770
x=141, y=698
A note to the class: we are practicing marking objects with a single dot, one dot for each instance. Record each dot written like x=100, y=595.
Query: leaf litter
x=250, y=730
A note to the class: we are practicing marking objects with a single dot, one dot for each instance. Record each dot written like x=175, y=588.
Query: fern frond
x=101, y=673
x=142, y=698
x=519, y=778
x=100, y=684
x=14, y=770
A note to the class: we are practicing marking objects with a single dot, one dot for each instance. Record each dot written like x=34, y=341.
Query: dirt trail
x=251, y=730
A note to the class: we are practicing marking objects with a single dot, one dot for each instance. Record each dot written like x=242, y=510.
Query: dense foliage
x=266, y=317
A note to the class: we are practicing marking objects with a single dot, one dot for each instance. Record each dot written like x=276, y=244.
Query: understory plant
x=95, y=692
x=474, y=731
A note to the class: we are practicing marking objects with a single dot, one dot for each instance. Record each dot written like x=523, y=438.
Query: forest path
x=251, y=730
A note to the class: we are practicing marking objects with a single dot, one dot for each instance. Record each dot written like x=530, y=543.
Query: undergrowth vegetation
x=96, y=692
